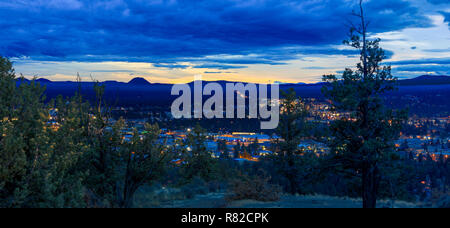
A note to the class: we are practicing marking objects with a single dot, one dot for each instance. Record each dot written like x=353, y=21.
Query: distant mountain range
x=139, y=91
x=426, y=80
x=138, y=81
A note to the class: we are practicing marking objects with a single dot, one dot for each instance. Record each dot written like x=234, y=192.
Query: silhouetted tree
x=365, y=139
x=291, y=128
x=37, y=168
x=104, y=159
x=198, y=159
x=146, y=160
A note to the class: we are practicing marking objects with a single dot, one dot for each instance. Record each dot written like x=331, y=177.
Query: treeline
x=67, y=153
x=78, y=160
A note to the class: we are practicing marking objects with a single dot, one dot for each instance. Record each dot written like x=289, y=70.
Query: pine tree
x=291, y=128
x=199, y=162
x=105, y=156
x=65, y=151
x=146, y=160
x=364, y=139
x=37, y=168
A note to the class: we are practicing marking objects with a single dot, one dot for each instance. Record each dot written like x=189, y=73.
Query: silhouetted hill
x=18, y=80
x=426, y=80
x=43, y=80
x=431, y=90
x=139, y=81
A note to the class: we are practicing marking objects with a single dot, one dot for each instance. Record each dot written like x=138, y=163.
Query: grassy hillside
x=216, y=200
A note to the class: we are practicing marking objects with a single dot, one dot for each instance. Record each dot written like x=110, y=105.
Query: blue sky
x=252, y=40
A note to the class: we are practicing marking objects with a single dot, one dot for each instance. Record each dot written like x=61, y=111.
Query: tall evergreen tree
x=291, y=128
x=34, y=170
x=364, y=139
x=104, y=159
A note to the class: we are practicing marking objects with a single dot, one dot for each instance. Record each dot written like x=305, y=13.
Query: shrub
x=256, y=187
x=444, y=202
x=196, y=187
x=440, y=198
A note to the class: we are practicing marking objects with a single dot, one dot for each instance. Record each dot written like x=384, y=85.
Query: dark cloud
x=167, y=31
x=446, y=16
x=171, y=66
x=218, y=72
x=437, y=2
x=218, y=66
x=112, y=71
x=317, y=68
x=441, y=69
x=439, y=66
x=438, y=50
x=420, y=61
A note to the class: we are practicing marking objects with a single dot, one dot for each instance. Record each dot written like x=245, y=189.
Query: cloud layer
x=168, y=31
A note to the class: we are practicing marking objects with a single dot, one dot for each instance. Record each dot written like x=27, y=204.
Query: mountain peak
x=139, y=81
x=43, y=80
x=432, y=77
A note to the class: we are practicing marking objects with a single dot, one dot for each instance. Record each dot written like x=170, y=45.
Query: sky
x=171, y=41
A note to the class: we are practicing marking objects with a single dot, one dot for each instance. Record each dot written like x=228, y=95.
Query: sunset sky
x=249, y=40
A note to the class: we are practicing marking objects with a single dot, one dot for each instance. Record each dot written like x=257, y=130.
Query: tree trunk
x=370, y=186
x=128, y=196
x=293, y=184
x=292, y=174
